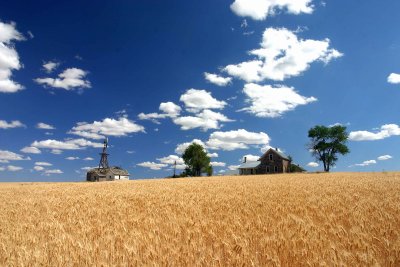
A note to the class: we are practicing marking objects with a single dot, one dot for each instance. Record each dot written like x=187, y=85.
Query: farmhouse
x=273, y=161
x=105, y=172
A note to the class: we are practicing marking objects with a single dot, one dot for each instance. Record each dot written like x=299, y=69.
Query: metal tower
x=104, y=160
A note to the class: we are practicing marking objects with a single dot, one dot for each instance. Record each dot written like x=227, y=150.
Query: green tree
x=327, y=142
x=196, y=159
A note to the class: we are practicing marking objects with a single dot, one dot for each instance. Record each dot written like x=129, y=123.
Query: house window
x=276, y=168
x=251, y=171
x=270, y=157
x=267, y=169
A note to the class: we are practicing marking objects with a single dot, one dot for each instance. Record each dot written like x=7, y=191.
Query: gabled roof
x=249, y=165
x=282, y=155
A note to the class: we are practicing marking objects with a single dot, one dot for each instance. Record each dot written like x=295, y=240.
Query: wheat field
x=342, y=219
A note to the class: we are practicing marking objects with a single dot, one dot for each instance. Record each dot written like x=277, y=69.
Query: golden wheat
x=277, y=220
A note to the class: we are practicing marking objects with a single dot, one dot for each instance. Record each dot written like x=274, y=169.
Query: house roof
x=114, y=170
x=282, y=155
x=249, y=165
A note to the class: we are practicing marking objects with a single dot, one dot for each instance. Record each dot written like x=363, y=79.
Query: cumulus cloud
x=71, y=144
x=43, y=163
x=56, y=171
x=261, y=9
x=238, y=139
x=171, y=159
x=38, y=168
x=394, y=78
x=69, y=79
x=6, y=156
x=180, y=148
x=250, y=158
x=385, y=131
x=384, y=157
x=31, y=150
x=313, y=164
x=168, y=109
x=282, y=55
x=107, y=127
x=12, y=168
x=366, y=163
x=217, y=164
x=44, y=126
x=88, y=158
x=217, y=80
x=269, y=101
x=72, y=158
x=50, y=66
x=233, y=167
x=197, y=100
x=13, y=124
x=212, y=155
x=9, y=58
x=206, y=119
x=152, y=165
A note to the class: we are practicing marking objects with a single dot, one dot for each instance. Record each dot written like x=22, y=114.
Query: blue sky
x=237, y=76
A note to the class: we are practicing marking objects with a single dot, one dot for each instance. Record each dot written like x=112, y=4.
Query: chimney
x=244, y=159
x=276, y=149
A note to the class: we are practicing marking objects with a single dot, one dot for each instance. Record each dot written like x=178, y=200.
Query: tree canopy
x=327, y=143
x=196, y=159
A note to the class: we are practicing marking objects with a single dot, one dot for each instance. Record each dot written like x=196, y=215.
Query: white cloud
x=38, y=168
x=87, y=168
x=385, y=131
x=6, y=156
x=261, y=9
x=180, y=148
x=197, y=100
x=9, y=58
x=212, y=155
x=217, y=80
x=269, y=101
x=56, y=171
x=239, y=139
x=69, y=79
x=12, y=168
x=366, y=163
x=56, y=151
x=109, y=127
x=42, y=163
x=282, y=55
x=13, y=124
x=31, y=35
x=88, y=158
x=206, y=119
x=384, y=157
x=171, y=159
x=217, y=164
x=394, y=78
x=250, y=158
x=50, y=66
x=233, y=167
x=313, y=164
x=31, y=150
x=169, y=109
x=152, y=165
x=71, y=144
x=72, y=158
x=44, y=126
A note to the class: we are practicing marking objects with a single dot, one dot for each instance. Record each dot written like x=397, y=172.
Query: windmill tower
x=103, y=164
